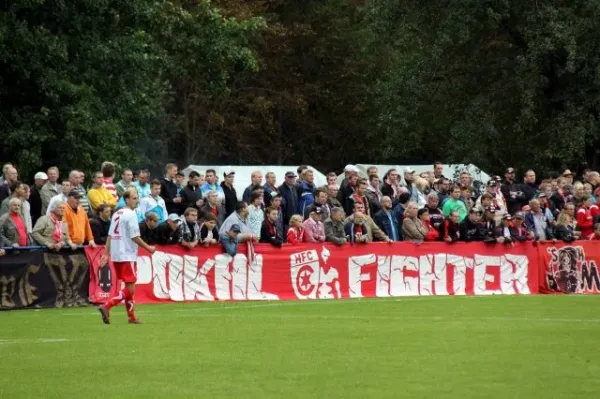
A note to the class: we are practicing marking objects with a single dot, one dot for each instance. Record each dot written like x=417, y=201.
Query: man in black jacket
x=513, y=192
x=168, y=190
x=100, y=224
x=148, y=228
x=170, y=231
x=268, y=231
x=472, y=229
x=229, y=192
x=289, y=194
x=191, y=195
x=35, y=199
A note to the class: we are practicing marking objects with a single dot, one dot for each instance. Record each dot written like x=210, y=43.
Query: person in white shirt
x=153, y=203
x=65, y=187
x=122, y=248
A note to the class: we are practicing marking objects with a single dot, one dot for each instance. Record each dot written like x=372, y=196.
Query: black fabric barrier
x=37, y=279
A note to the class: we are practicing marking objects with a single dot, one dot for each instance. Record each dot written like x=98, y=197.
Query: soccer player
x=122, y=247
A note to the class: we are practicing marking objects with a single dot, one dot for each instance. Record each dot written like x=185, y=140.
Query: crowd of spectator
x=198, y=210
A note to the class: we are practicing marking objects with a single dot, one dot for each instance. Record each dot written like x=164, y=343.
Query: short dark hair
x=108, y=169
x=15, y=185
x=404, y=198
x=128, y=193
x=256, y=187
x=271, y=209
x=301, y=169
x=454, y=187
x=211, y=171
x=145, y=171
x=98, y=173
x=179, y=173
x=209, y=217
x=422, y=211
x=371, y=177
x=155, y=182
x=320, y=190
x=102, y=207
x=193, y=174
x=240, y=205
x=254, y=196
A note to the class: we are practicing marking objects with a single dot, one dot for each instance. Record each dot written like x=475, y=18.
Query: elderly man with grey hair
x=52, y=230
x=12, y=225
x=213, y=206
x=334, y=227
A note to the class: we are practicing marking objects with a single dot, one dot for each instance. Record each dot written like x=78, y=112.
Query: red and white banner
x=571, y=268
x=324, y=271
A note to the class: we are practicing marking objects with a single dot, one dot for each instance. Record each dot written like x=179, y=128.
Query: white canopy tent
x=452, y=172
x=243, y=173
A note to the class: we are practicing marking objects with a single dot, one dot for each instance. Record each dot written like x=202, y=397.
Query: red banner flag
x=324, y=271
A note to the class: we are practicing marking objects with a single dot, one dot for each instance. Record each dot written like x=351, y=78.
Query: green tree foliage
x=495, y=83
x=83, y=81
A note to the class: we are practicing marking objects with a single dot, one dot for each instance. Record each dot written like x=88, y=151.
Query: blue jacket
x=398, y=214
x=306, y=196
x=229, y=246
x=383, y=221
x=289, y=202
x=530, y=224
x=349, y=230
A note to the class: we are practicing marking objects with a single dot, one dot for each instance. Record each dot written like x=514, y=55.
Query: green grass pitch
x=448, y=347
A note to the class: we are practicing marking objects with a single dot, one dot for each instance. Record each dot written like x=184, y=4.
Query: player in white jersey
x=122, y=247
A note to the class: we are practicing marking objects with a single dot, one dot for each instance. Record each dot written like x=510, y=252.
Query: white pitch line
x=32, y=341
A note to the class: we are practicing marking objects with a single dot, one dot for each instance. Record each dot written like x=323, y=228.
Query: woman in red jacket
x=585, y=220
x=295, y=234
x=433, y=234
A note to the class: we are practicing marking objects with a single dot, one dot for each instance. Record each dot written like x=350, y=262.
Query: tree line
x=320, y=82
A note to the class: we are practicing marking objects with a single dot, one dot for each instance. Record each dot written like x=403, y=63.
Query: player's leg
x=130, y=277
x=105, y=309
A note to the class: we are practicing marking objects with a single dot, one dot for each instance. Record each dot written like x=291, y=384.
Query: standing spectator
x=190, y=233
x=568, y=175
x=148, y=228
x=108, y=175
x=334, y=227
x=211, y=184
x=314, y=230
x=421, y=188
x=62, y=197
x=441, y=187
x=438, y=170
x=466, y=180
x=169, y=232
x=496, y=197
x=52, y=231
x=454, y=204
x=125, y=182
x=230, y=239
x=35, y=199
x=229, y=192
x=391, y=185
x=209, y=233
x=332, y=179
x=433, y=234
x=413, y=229
x=17, y=191
x=321, y=203
x=503, y=233
x=77, y=179
x=530, y=188
x=471, y=229
x=349, y=170
x=179, y=183
x=436, y=216
x=77, y=221
x=513, y=192
x=26, y=208
x=360, y=197
x=595, y=236
x=12, y=226
x=240, y=218
x=5, y=168
x=400, y=209
x=141, y=184
x=268, y=231
x=578, y=191
x=168, y=190
x=256, y=215
x=346, y=192
x=289, y=195
x=409, y=178
x=562, y=195
x=10, y=176
x=356, y=230
x=386, y=220
x=191, y=195
x=540, y=221
x=213, y=207
x=565, y=225
x=374, y=188
x=276, y=204
x=306, y=191
x=519, y=231
x=99, y=195
x=153, y=203
x=256, y=180
x=332, y=192
x=50, y=189
x=270, y=189
x=100, y=225
x=585, y=219
x=295, y=234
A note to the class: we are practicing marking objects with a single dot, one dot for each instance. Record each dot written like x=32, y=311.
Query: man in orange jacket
x=77, y=220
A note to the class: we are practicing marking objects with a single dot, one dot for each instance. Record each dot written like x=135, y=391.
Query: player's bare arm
x=142, y=243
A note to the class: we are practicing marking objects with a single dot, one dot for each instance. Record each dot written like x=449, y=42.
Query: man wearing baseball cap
x=229, y=191
x=76, y=217
x=289, y=195
x=35, y=199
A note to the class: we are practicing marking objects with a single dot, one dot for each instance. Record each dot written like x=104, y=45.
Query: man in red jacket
x=585, y=220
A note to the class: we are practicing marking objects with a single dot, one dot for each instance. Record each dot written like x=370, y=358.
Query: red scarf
x=57, y=234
